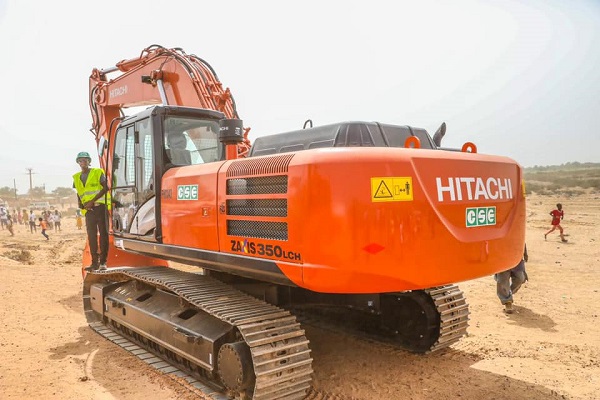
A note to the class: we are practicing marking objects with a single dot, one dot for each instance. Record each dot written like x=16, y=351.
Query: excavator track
x=453, y=310
x=192, y=383
x=421, y=321
x=279, y=350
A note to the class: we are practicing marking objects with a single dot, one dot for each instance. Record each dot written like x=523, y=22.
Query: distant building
x=39, y=205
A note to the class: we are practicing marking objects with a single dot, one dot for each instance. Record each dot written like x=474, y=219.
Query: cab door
x=133, y=183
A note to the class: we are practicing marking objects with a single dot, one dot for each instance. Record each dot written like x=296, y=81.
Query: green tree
x=63, y=192
x=37, y=192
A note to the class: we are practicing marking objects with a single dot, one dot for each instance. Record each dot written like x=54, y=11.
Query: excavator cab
x=145, y=146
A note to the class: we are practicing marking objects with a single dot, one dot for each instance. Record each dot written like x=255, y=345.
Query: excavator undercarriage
x=246, y=347
x=251, y=348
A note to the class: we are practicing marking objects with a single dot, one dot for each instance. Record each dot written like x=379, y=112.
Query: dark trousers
x=95, y=223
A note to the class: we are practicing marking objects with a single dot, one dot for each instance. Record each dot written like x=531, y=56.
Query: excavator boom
x=158, y=76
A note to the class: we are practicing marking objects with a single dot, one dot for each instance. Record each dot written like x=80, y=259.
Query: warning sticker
x=391, y=189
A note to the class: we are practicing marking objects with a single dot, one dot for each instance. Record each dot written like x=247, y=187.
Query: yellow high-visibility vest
x=92, y=188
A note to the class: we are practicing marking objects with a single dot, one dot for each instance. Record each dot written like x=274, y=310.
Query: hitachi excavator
x=369, y=218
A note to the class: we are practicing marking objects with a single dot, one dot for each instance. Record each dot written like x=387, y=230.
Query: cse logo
x=187, y=192
x=480, y=216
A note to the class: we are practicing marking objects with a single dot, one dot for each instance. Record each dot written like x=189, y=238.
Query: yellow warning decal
x=391, y=189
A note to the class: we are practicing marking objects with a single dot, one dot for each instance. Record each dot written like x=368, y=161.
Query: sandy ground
x=548, y=349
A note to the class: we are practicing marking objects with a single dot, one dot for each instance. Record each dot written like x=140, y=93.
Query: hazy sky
x=518, y=78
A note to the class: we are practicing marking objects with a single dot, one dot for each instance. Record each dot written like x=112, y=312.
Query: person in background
x=9, y=225
x=510, y=281
x=44, y=226
x=32, y=226
x=47, y=215
x=557, y=216
x=56, y=219
x=3, y=215
x=78, y=220
x=94, y=201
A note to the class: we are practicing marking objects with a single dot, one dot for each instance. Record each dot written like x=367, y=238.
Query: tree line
x=38, y=192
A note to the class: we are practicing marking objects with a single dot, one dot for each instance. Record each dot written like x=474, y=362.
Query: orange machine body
x=335, y=220
x=360, y=220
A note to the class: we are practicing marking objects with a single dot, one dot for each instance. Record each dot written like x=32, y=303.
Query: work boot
x=508, y=307
x=92, y=267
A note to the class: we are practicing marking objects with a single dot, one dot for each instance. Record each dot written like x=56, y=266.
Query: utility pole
x=15, y=186
x=30, y=172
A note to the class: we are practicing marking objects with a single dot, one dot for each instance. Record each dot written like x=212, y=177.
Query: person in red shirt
x=557, y=216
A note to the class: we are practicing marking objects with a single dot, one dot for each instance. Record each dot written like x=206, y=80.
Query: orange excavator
x=374, y=219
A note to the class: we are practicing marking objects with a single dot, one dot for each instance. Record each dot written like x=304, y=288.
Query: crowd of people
x=47, y=220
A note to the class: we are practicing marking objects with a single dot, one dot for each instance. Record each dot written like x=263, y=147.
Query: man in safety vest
x=94, y=200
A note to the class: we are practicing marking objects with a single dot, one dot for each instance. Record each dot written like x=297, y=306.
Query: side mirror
x=102, y=145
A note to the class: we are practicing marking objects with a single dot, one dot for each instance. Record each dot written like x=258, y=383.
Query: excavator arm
x=158, y=76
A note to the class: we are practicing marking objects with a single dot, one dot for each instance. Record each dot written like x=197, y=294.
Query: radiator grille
x=243, y=180
x=258, y=229
x=258, y=207
x=259, y=185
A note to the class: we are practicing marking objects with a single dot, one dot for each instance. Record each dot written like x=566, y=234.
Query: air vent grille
x=260, y=166
x=258, y=185
x=258, y=229
x=258, y=207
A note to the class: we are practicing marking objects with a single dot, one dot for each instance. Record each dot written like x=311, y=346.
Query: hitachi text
x=121, y=90
x=473, y=188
